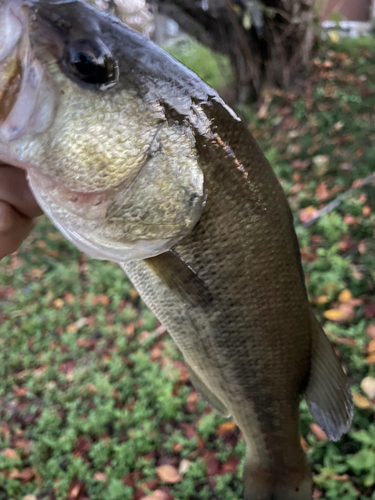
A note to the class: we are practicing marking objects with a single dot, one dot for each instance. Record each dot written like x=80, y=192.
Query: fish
x=136, y=160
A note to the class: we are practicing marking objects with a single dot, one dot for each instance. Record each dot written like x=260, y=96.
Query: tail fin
x=257, y=487
x=327, y=393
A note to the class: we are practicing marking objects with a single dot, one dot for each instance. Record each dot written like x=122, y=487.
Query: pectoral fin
x=181, y=279
x=328, y=394
x=206, y=393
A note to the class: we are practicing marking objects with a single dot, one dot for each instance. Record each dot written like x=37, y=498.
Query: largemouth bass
x=138, y=161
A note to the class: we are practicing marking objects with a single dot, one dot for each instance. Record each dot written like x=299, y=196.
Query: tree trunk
x=268, y=42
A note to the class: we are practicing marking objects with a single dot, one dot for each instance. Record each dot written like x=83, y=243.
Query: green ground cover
x=95, y=402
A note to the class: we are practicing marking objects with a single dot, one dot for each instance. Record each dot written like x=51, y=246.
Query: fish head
x=101, y=120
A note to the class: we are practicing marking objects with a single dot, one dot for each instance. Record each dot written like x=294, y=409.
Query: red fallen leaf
x=346, y=244
x=301, y=164
x=369, y=310
x=24, y=444
x=76, y=489
x=307, y=213
x=158, y=495
x=168, y=474
x=192, y=401
x=131, y=479
x=351, y=220
x=19, y=391
x=322, y=192
x=25, y=475
x=10, y=453
x=82, y=446
x=155, y=354
x=151, y=484
x=318, y=432
x=188, y=430
x=213, y=466
x=67, y=367
x=177, y=447
x=230, y=465
x=317, y=494
x=371, y=331
x=184, y=375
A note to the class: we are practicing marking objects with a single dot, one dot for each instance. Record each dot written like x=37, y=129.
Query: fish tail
x=328, y=394
x=263, y=485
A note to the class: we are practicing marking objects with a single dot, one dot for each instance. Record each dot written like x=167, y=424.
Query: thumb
x=14, y=228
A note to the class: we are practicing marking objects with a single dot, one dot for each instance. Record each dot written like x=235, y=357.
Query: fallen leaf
x=29, y=497
x=158, y=495
x=226, y=428
x=361, y=402
x=318, y=432
x=369, y=310
x=334, y=315
x=100, y=476
x=25, y=475
x=322, y=299
x=368, y=387
x=345, y=296
x=10, y=453
x=192, y=401
x=168, y=474
x=307, y=213
x=371, y=346
x=184, y=466
x=230, y=465
x=58, y=303
x=371, y=331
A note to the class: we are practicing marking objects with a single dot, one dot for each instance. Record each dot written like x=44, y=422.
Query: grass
x=94, y=399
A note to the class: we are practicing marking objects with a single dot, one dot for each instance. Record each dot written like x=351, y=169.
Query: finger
x=15, y=190
x=14, y=228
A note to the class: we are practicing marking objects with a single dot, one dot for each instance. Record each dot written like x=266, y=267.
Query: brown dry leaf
x=334, y=315
x=361, y=402
x=168, y=474
x=158, y=495
x=26, y=475
x=322, y=299
x=36, y=273
x=100, y=476
x=371, y=331
x=226, y=428
x=318, y=432
x=304, y=445
x=58, y=303
x=345, y=296
x=10, y=453
x=371, y=359
x=368, y=387
x=371, y=346
x=101, y=299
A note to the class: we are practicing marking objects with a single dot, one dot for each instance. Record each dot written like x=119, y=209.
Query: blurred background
x=95, y=401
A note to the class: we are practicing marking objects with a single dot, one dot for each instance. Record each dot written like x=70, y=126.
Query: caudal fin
x=328, y=394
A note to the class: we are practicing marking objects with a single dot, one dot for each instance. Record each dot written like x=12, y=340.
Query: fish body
x=136, y=160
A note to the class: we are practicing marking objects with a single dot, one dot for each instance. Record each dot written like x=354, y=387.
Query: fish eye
x=92, y=63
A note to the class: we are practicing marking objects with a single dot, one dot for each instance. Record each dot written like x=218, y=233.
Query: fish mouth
x=27, y=97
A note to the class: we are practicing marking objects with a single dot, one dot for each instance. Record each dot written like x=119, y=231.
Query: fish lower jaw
x=83, y=223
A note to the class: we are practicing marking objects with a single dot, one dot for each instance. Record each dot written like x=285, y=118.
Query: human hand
x=18, y=209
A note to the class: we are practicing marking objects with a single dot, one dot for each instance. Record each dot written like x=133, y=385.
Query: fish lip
x=34, y=101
